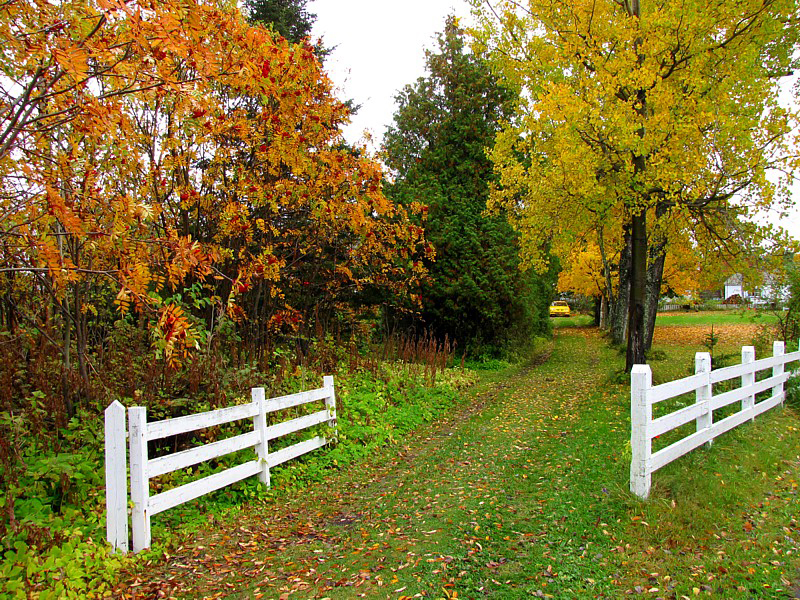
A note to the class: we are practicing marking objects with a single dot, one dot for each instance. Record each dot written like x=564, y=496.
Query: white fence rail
x=717, y=305
x=143, y=468
x=644, y=395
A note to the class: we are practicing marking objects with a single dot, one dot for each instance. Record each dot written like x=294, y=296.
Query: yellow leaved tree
x=646, y=115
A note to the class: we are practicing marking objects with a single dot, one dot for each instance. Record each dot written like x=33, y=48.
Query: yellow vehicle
x=559, y=308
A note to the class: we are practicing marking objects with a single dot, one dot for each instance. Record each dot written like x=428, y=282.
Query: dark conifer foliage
x=287, y=17
x=437, y=151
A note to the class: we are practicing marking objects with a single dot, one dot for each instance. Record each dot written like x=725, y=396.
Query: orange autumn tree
x=152, y=147
x=256, y=166
x=73, y=216
x=583, y=273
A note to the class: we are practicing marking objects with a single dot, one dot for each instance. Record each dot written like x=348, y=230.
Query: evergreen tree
x=477, y=293
x=287, y=17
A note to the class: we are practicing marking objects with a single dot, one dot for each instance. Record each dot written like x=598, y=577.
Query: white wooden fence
x=142, y=468
x=644, y=395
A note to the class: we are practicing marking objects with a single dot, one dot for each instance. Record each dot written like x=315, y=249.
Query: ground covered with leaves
x=522, y=494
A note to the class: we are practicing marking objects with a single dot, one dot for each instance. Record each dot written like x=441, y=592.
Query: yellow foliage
x=676, y=110
x=583, y=273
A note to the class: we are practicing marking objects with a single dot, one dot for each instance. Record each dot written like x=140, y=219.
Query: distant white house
x=770, y=291
x=733, y=286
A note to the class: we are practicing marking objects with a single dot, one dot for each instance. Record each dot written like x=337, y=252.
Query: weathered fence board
x=193, y=456
x=644, y=395
x=673, y=420
x=206, y=485
x=687, y=385
x=283, y=402
x=287, y=427
x=116, y=474
x=189, y=423
x=143, y=468
x=290, y=452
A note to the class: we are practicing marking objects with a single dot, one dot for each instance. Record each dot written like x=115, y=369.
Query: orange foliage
x=148, y=144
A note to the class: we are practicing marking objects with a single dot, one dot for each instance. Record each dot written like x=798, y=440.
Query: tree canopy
x=642, y=116
x=173, y=160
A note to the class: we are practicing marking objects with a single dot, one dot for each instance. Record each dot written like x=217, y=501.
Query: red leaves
x=290, y=318
x=175, y=335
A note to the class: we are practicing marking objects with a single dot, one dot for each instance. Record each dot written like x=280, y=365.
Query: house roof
x=735, y=279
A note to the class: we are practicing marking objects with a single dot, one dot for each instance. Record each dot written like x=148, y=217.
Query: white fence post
x=778, y=349
x=116, y=478
x=702, y=364
x=748, y=379
x=260, y=425
x=140, y=484
x=641, y=415
x=143, y=468
x=330, y=404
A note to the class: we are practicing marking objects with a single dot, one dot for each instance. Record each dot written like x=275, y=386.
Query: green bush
x=53, y=543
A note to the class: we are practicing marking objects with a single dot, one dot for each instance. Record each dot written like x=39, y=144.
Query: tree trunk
x=66, y=348
x=66, y=366
x=81, y=335
x=619, y=307
x=598, y=311
x=655, y=275
x=607, y=298
x=638, y=277
x=603, y=312
x=655, y=272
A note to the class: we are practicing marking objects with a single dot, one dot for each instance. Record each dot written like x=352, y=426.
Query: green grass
x=722, y=317
x=573, y=321
x=524, y=493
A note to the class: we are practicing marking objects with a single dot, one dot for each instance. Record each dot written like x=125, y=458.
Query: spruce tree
x=289, y=18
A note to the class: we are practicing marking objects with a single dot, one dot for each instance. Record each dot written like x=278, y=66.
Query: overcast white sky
x=379, y=48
